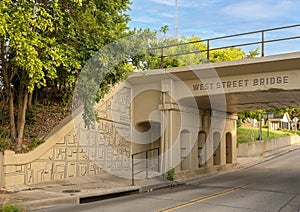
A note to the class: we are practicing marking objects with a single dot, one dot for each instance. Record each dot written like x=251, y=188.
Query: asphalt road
x=270, y=186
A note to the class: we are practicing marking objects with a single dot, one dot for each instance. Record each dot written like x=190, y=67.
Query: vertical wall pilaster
x=1, y=170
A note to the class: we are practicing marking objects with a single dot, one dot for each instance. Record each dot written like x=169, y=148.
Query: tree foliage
x=141, y=51
x=255, y=114
x=44, y=44
x=189, y=51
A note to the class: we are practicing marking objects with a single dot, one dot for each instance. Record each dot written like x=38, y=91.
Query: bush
x=4, y=133
x=30, y=116
x=3, y=145
x=36, y=142
x=11, y=208
x=171, y=174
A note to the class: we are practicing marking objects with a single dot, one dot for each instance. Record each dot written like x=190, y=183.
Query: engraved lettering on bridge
x=241, y=83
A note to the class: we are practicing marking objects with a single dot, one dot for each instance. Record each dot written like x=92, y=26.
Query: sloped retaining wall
x=63, y=155
x=1, y=170
x=260, y=147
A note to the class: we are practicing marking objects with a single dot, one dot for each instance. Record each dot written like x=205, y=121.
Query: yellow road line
x=191, y=202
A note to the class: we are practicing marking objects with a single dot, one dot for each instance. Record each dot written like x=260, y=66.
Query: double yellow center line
x=191, y=202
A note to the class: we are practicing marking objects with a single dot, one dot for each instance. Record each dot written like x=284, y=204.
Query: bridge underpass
x=269, y=82
x=188, y=112
x=194, y=108
x=237, y=102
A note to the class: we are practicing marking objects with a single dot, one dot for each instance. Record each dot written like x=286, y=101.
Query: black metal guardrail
x=261, y=42
x=146, y=161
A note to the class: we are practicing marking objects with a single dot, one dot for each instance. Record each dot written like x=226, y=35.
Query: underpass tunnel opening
x=220, y=143
x=229, y=146
x=201, y=149
x=150, y=138
x=217, y=148
x=146, y=133
x=143, y=105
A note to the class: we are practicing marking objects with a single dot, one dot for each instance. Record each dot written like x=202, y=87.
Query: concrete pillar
x=202, y=162
x=229, y=148
x=194, y=156
x=210, y=150
x=185, y=142
x=217, y=148
x=223, y=150
x=1, y=170
x=208, y=146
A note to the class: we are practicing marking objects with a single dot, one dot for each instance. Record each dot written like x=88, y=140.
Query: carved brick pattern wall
x=112, y=152
x=84, y=152
x=65, y=159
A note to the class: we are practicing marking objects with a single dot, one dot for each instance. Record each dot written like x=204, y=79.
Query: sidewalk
x=81, y=190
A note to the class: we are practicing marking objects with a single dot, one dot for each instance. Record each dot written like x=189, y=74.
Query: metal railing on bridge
x=262, y=41
x=144, y=163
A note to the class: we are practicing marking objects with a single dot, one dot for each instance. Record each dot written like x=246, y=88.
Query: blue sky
x=214, y=18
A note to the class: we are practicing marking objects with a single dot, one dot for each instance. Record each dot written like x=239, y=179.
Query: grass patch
x=3, y=145
x=35, y=143
x=246, y=135
x=10, y=208
x=4, y=133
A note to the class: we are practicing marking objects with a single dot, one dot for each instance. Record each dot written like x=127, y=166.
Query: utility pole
x=260, y=127
x=268, y=135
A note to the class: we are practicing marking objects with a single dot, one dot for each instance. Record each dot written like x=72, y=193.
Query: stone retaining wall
x=260, y=147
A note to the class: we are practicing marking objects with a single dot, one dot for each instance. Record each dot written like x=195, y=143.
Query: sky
x=214, y=18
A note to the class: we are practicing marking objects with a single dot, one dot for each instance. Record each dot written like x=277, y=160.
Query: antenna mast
x=176, y=18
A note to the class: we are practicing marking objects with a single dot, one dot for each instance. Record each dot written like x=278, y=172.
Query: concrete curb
x=39, y=204
x=268, y=158
x=109, y=191
x=157, y=186
x=75, y=198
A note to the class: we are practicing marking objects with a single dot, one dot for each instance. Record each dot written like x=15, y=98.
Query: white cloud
x=255, y=10
x=197, y=3
x=165, y=2
x=167, y=15
x=144, y=19
x=186, y=4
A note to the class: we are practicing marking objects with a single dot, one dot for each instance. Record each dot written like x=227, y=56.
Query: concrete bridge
x=189, y=113
x=248, y=84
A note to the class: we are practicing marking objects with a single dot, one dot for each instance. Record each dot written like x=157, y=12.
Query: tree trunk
x=20, y=103
x=30, y=100
x=7, y=83
x=22, y=120
x=13, y=133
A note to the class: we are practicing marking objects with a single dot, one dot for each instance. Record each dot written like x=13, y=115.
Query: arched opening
x=228, y=147
x=148, y=138
x=217, y=149
x=201, y=150
x=185, y=143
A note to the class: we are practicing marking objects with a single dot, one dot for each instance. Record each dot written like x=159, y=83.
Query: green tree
x=189, y=51
x=254, y=114
x=46, y=42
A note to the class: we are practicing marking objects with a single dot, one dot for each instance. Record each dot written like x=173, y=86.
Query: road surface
x=270, y=186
